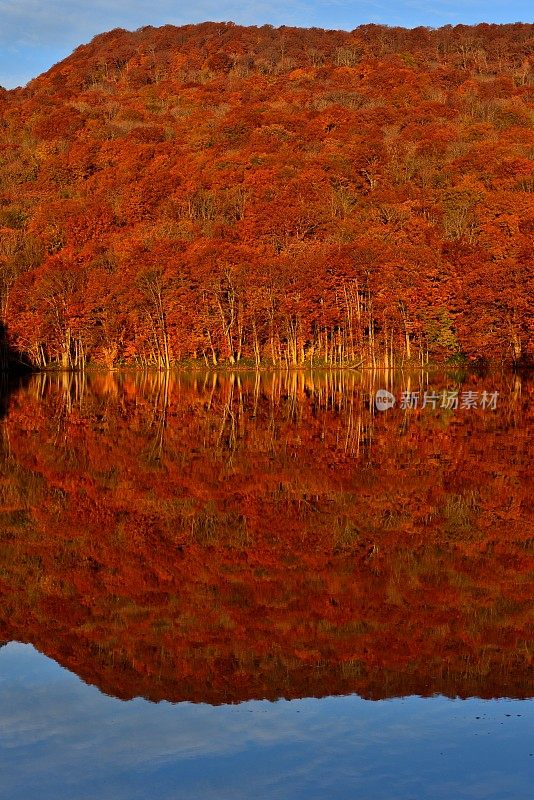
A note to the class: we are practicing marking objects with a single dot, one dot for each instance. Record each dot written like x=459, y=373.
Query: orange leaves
x=192, y=149
x=268, y=535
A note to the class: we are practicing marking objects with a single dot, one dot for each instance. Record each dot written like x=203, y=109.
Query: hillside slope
x=221, y=194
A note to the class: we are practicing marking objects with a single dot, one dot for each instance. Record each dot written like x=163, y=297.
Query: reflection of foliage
x=347, y=537
x=209, y=527
x=459, y=511
x=333, y=552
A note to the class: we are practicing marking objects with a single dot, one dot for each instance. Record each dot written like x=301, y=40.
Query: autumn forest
x=221, y=195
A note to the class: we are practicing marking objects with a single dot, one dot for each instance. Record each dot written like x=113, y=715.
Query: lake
x=272, y=585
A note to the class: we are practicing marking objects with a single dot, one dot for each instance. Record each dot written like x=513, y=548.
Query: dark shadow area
x=9, y=384
x=12, y=360
x=524, y=365
x=15, y=368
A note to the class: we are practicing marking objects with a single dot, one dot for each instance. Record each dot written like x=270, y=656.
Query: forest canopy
x=223, y=194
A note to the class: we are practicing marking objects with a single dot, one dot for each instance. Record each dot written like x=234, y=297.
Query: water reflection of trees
x=226, y=536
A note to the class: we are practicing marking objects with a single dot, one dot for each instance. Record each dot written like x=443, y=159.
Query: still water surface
x=262, y=586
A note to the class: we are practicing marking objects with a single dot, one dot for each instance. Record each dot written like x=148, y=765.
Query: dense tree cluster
x=222, y=194
x=220, y=539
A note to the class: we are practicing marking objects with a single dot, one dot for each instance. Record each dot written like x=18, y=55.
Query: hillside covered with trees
x=220, y=194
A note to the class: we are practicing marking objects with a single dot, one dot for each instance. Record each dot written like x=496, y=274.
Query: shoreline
x=227, y=369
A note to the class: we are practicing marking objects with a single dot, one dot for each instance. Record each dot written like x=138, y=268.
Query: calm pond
x=267, y=586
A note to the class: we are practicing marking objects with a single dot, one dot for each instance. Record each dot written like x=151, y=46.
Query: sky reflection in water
x=63, y=739
x=225, y=539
